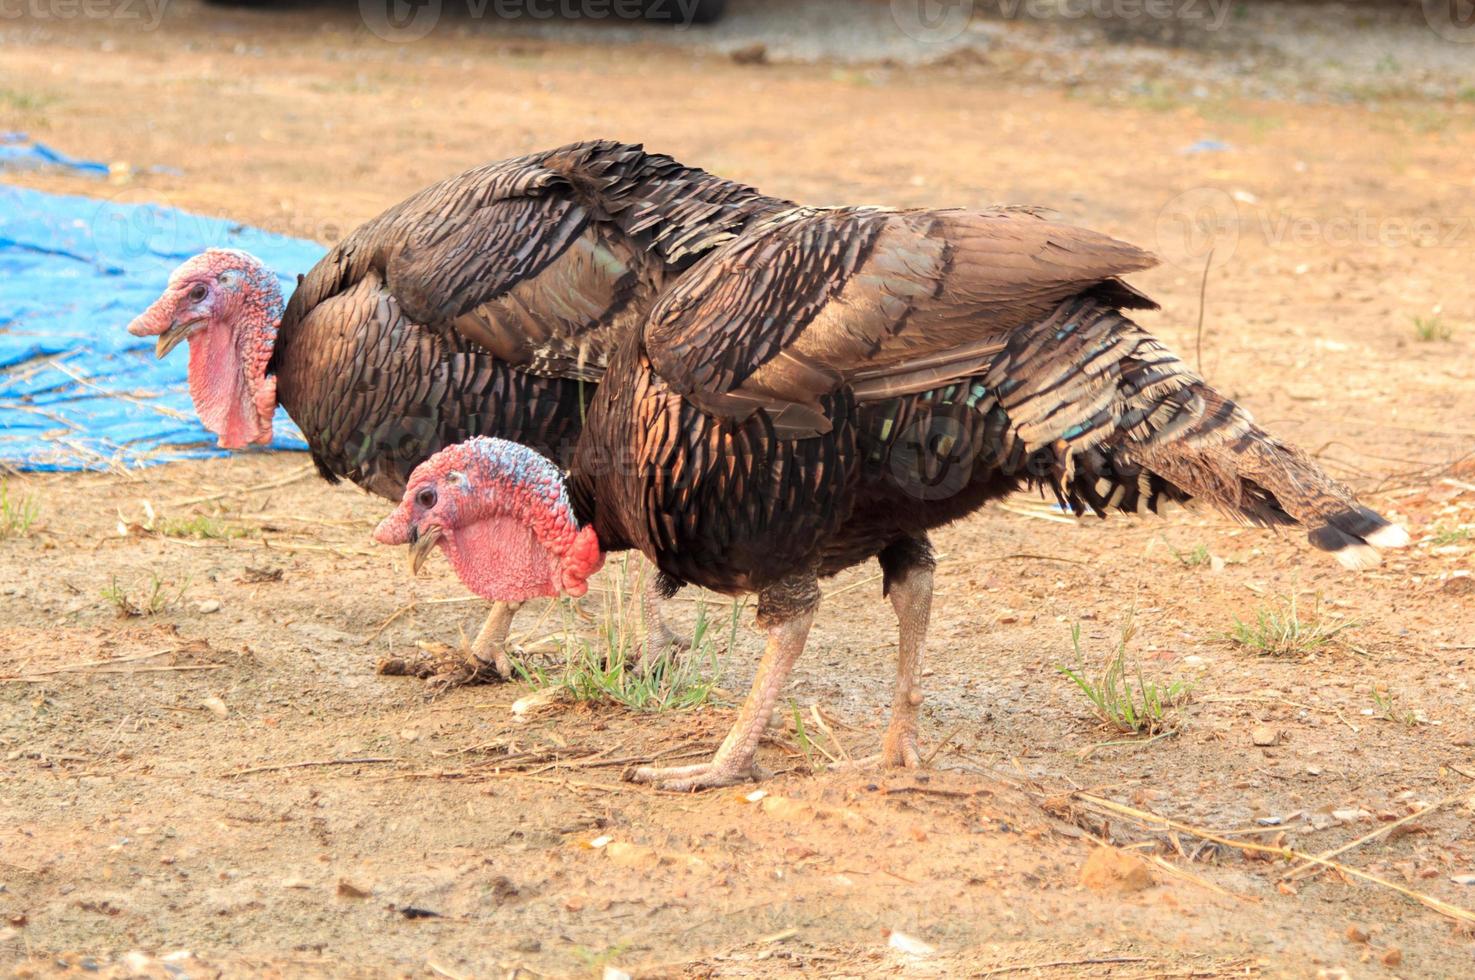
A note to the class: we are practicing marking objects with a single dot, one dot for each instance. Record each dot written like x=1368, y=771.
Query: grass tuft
x=604, y=667
x=17, y=514
x=1448, y=536
x=1281, y=631
x=1196, y=558
x=1389, y=707
x=1121, y=696
x=1429, y=329
x=198, y=526
x=153, y=598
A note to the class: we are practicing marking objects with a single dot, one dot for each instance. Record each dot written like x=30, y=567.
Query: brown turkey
x=486, y=304
x=832, y=385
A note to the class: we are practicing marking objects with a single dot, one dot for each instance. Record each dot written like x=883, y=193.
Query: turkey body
x=835, y=383
x=488, y=304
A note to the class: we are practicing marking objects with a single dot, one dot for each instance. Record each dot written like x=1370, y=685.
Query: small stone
x=347, y=889
x=1264, y=736
x=1392, y=956
x=409, y=735
x=1356, y=935
x=909, y=944
x=1463, y=879
x=215, y=706
x=208, y=605
x=750, y=54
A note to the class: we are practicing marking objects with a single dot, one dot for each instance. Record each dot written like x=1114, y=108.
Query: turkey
x=832, y=385
x=486, y=304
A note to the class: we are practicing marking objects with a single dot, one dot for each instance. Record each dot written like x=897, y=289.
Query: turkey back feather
x=489, y=303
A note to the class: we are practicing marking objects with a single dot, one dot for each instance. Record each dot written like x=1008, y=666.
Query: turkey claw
x=690, y=779
x=465, y=674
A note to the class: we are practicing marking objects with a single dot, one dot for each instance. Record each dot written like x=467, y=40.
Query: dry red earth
x=177, y=781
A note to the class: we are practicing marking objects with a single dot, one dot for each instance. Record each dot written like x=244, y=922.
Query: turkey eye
x=198, y=293
x=426, y=497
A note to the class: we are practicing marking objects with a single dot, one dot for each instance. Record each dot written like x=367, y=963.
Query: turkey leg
x=907, y=568
x=660, y=639
x=785, y=611
x=911, y=597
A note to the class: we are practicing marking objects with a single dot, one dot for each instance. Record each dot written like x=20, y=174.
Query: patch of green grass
x=1281, y=631
x=24, y=101
x=1233, y=113
x=597, y=960
x=1428, y=329
x=1155, y=96
x=153, y=598
x=1196, y=558
x=604, y=667
x=1453, y=535
x=198, y=526
x=1121, y=696
x=812, y=753
x=1389, y=707
x=18, y=513
x=1466, y=94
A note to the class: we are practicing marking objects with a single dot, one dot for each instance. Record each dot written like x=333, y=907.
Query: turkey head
x=500, y=514
x=228, y=306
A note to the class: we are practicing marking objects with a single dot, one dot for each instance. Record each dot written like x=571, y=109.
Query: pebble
x=1264, y=735
x=215, y=706
x=208, y=605
x=1463, y=879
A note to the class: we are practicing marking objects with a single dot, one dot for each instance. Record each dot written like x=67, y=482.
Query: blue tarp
x=76, y=390
x=19, y=152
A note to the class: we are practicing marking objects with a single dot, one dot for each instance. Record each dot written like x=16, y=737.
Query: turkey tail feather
x=1125, y=424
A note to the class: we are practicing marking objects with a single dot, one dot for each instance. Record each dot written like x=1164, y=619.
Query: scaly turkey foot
x=689, y=779
x=899, y=749
x=469, y=670
x=661, y=647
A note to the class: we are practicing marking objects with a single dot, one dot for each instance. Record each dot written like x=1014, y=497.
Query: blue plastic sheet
x=77, y=391
x=19, y=152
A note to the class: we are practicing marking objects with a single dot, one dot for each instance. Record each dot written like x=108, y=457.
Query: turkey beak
x=421, y=544
x=171, y=338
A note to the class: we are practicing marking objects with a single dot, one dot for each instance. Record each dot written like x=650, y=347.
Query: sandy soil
x=227, y=786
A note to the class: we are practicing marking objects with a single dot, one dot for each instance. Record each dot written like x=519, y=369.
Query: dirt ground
x=226, y=785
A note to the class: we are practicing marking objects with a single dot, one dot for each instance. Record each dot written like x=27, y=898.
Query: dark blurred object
x=662, y=11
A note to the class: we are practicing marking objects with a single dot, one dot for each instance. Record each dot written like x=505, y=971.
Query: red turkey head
x=501, y=516
x=228, y=306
